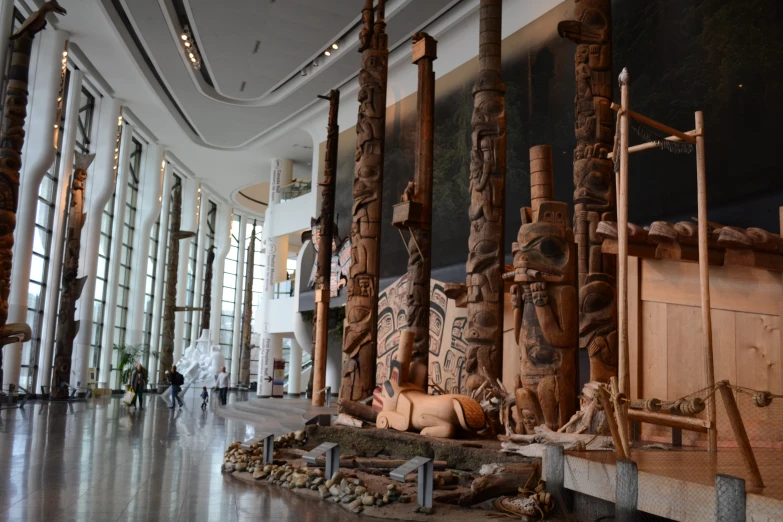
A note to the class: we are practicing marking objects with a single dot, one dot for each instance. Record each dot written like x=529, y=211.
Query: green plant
x=129, y=354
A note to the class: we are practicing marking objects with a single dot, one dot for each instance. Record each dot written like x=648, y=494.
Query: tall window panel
x=229, y=294
x=149, y=290
x=126, y=252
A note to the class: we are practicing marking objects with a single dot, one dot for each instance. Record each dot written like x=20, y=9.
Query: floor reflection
x=100, y=461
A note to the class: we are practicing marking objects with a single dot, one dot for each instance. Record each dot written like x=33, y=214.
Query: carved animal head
x=598, y=318
x=590, y=26
x=544, y=250
x=594, y=182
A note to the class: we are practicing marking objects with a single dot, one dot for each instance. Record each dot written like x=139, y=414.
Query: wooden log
x=359, y=410
x=652, y=144
x=367, y=463
x=660, y=126
x=740, y=435
x=606, y=403
x=623, y=365
x=671, y=421
x=704, y=278
x=505, y=481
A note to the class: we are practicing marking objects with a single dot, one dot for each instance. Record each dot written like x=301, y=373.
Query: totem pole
x=11, y=142
x=324, y=273
x=414, y=213
x=594, y=181
x=361, y=310
x=544, y=303
x=67, y=326
x=487, y=203
x=206, y=304
x=247, y=311
x=170, y=298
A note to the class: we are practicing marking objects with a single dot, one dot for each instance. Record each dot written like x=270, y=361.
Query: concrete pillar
x=37, y=157
x=98, y=192
x=148, y=209
x=189, y=198
x=198, y=287
x=6, y=25
x=115, y=255
x=236, y=344
x=222, y=246
x=52, y=302
x=160, y=267
x=276, y=256
x=295, y=370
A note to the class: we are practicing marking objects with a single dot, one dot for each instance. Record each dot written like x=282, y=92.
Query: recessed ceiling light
x=304, y=72
x=328, y=53
x=184, y=37
x=335, y=46
x=315, y=63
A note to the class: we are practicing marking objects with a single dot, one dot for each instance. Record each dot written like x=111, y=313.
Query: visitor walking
x=204, y=398
x=138, y=383
x=176, y=380
x=222, y=385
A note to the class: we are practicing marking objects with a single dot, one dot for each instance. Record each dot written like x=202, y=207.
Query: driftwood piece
x=368, y=463
x=247, y=311
x=343, y=419
x=505, y=480
x=361, y=310
x=359, y=410
x=545, y=305
x=484, y=332
x=324, y=260
x=67, y=325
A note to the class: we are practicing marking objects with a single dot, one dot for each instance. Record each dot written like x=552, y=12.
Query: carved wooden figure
x=361, y=310
x=487, y=202
x=206, y=305
x=414, y=213
x=324, y=273
x=594, y=181
x=67, y=325
x=545, y=304
x=247, y=311
x=11, y=142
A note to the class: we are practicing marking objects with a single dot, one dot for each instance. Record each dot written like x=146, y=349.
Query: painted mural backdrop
x=719, y=56
x=447, y=323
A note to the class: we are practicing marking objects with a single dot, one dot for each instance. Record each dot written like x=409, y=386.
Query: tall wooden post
x=414, y=214
x=624, y=366
x=487, y=204
x=361, y=310
x=324, y=273
x=206, y=303
x=594, y=190
x=247, y=311
x=67, y=325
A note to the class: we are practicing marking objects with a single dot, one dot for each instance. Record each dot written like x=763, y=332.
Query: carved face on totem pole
x=544, y=251
x=598, y=325
x=594, y=184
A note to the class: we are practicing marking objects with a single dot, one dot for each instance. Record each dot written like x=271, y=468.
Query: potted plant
x=128, y=357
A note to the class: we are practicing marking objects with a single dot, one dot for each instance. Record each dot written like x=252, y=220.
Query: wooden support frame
x=696, y=137
x=740, y=435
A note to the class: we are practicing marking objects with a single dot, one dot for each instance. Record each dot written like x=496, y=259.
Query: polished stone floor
x=98, y=461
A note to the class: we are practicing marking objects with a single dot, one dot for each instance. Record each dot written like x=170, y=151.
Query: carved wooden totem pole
x=487, y=203
x=206, y=304
x=67, y=325
x=545, y=305
x=414, y=213
x=247, y=311
x=11, y=142
x=324, y=272
x=361, y=310
x=594, y=181
x=170, y=298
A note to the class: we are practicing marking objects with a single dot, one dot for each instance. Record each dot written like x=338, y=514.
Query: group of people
x=138, y=383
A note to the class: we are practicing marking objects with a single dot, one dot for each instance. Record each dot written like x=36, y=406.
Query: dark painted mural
x=719, y=56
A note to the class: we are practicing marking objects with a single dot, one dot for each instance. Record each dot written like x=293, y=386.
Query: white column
x=198, y=286
x=295, y=369
x=115, y=255
x=98, y=192
x=236, y=345
x=6, y=25
x=222, y=246
x=51, y=303
x=148, y=204
x=276, y=255
x=160, y=266
x=189, y=195
x=37, y=157
x=334, y=368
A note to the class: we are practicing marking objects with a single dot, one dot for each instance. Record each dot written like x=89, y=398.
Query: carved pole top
x=36, y=22
x=424, y=46
x=624, y=77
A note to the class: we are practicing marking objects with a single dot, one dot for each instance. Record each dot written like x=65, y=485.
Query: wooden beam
x=671, y=421
x=740, y=435
x=652, y=145
x=661, y=127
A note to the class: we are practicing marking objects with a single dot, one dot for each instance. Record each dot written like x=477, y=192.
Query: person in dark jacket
x=138, y=383
x=176, y=380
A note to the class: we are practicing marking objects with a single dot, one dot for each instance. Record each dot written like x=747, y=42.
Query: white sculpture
x=201, y=362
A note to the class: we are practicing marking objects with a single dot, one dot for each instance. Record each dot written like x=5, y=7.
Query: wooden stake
x=623, y=368
x=622, y=417
x=740, y=435
x=704, y=278
x=606, y=402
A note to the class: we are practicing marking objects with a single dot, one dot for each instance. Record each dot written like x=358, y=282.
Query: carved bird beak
x=578, y=32
x=57, y=8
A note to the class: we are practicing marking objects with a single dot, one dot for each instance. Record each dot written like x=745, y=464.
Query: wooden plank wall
x=665, y=339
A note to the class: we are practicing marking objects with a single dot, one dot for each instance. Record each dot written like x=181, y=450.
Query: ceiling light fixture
x=304, y=72
x=189, y=47
x=335, y=46
x=328, y=52
x=315, y=63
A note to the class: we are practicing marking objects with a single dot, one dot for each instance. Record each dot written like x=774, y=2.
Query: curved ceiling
x=254, y=90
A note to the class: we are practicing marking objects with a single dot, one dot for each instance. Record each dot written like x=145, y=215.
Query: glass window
x=228, y=294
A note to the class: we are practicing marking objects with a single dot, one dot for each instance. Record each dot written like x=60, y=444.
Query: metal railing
x=295, y=189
